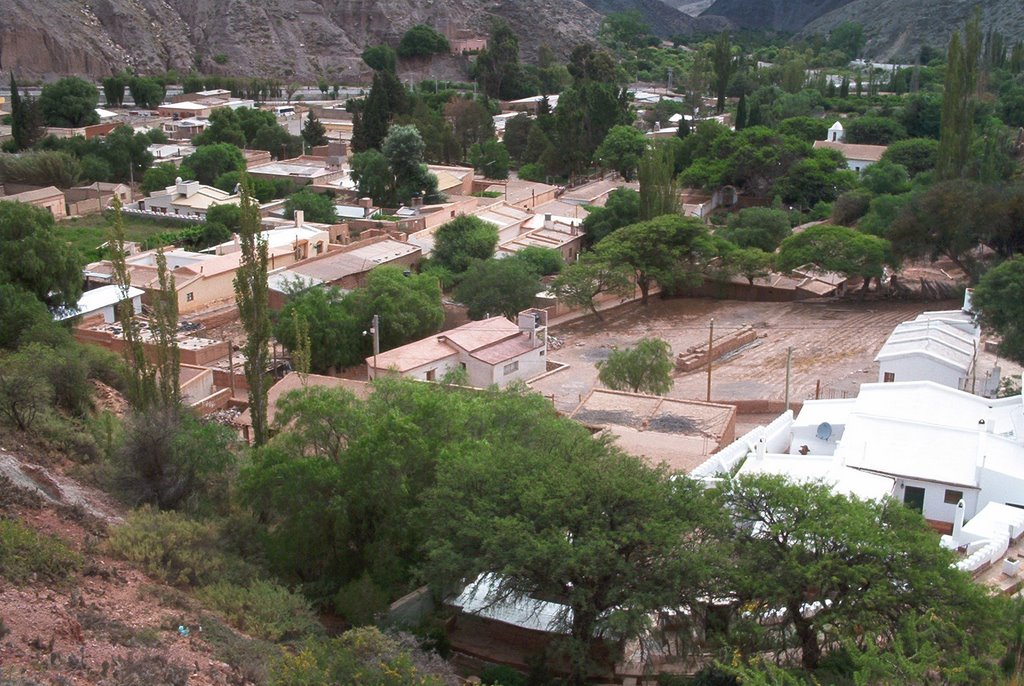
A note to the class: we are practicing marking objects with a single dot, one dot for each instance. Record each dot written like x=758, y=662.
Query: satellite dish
x=824, y=431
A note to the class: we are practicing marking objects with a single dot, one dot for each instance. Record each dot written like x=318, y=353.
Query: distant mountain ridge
x=663, y=18
x=776, y=15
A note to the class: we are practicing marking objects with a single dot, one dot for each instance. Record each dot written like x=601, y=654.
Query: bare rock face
x=283, y=39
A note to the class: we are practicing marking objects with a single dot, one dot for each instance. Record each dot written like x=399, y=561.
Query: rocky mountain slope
x=776, y=15
x=897, y=30
x=275, y=38
x=691, y=7
x=664, y=18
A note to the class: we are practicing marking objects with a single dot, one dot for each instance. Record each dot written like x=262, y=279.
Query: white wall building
x=187, y=199
x=492, y=351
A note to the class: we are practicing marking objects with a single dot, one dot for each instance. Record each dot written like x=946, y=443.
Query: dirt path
x=833, y=341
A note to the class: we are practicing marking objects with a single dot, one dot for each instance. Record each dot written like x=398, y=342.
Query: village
x=841, y=365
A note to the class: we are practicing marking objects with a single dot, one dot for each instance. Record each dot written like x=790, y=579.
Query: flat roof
x=809, y=468
x=310, y=168
x=337, y=265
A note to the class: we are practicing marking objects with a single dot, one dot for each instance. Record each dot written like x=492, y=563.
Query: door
x=913, y=497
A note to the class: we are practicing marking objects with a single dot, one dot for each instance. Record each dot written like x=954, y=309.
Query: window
x=542, y=353
x=953, y=497
x=431, y=375
x=189, y=297
x=888, y=377
x=511, y=367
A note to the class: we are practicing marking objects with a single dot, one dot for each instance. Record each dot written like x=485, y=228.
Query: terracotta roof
x=854, y=151
x=471, y=337
x=504, y=350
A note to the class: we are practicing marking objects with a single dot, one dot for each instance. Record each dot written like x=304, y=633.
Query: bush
x=360, y=601
x=849, y=207
x=532, y=172
x=177, y=550
x=502, y=675
x=262, y=609
x=25, y=553
x=146, y=670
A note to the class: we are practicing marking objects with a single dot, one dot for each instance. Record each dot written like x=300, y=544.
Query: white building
x=492, y=351
x=187, y=199
x=858, y=156
x=102, y=301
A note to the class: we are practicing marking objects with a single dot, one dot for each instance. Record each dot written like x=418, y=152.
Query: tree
x=464, y=239
x=517, y=135
x=387, y=99
x=957, y=124
x=835, y=249
x=25, y=394
x=372, y=176
x=915, y=154
x=69, y=102
x=756, y=227
x=543, y=261
x=409, y=306
x=26, y=119
x=864, y=567
x=334, y=336
x=403, y=150
x=210, y=161
x=873, y=130
x=821, y=177
x=20, y=311
x=742, y=117
x=146, y=92
x=471, y=123
x=421, y=41
x=497, y=66
x=659, y=194
x=621, y=209
x=164, y=324
x=490, y=158
x=665, y=250
x=313, y=131
x=885, y=177
x=34, y=257
x=380, y=58
x=807, y=129
x=999, y=297
x=253, y=310
x=571, y=518
x=645, y=368
x=316, y=207
x=724, y=66
x=159, y=176
x=622, y=150
x=113, y=90
x=586, y=113
x=848, y=38
x=493, y=287
x=750, y=263
x=580, y=282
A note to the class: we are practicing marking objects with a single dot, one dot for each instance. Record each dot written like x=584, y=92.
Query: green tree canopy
x=421, y=41
x=498, y=286
x=159, y=176
x=999, y=297
x=69, y=102
x=874, y=130
x=582, y=281
x=756, y=227
x=147, y=92
x=645, y=368
x=915, y=154
x=313, y=131
x=316, y=207
x=621, y=209
x=835, y=249
x=622, y=150
x=20, y=311
x=462, y=240
x=33, y=256
x=380, y=58
x=403, y=149
x=210, y=161
x=490, y=158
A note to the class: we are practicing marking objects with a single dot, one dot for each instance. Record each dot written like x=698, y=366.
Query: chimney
x=300, y=217
x=968, y=301
x=548, y=222
x=367, y=205
x=761, y=449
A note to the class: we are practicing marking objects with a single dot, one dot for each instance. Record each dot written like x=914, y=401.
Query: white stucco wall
x=921, y=368
x=934, y=495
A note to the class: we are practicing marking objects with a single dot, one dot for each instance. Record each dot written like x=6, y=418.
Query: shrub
x=176, y=549
x=502, y=675
x=146, y=670
x=360, y=601
x=262, y=609
x=851, y=206
x=24, y=553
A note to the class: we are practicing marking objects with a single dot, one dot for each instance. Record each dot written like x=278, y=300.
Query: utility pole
x=711, y=340
x=375, y=330
x=789, y=361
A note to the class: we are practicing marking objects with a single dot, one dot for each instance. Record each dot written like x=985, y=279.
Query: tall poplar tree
x=165, y=334
x=724, y=66
x=254, y=309
x=957, y=125
x=659, y=193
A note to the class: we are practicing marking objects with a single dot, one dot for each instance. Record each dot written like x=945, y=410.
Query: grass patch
x=487, y=194
x=86, y=234
x=25, y=553
x=176, y=549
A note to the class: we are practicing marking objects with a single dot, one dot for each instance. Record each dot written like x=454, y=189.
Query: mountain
x=691, y=7
x=663, y=20
x=896, y=31
x=777, y=15
x=276, y=38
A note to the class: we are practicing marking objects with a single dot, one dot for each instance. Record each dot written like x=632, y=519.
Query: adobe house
x=492, y=351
